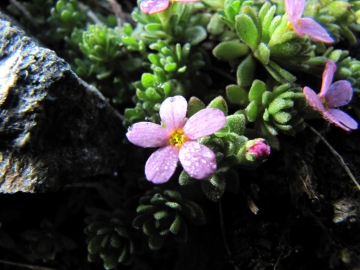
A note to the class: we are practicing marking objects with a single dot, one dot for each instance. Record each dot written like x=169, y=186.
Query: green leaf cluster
x=176, y=24
x=67, y=15
x=225, y=144
x=274, y=111
x=175, y=71
x=162, y=215
x=110, y=240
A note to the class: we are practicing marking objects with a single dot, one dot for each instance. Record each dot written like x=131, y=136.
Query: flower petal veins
x=173, y=112
x=147, y=134
x=197, y=160
x=204, y=122
x=161, y=164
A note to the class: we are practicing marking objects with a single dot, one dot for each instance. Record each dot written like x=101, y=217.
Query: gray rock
x=54, y=128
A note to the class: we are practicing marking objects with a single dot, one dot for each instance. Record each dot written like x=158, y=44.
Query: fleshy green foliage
x=274, y=111
x=99, y=55
x=175, y=71
x=276, y=46
x=175, y=24
x=66, y=15
x=110, y=239
x=162, y=215
x=101, y=47
x=339, y=17
x=44, y=244
x=225, y=144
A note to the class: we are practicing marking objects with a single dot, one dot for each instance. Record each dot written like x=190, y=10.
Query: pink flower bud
x=258, y=151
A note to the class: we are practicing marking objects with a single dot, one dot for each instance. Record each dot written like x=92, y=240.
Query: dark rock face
x=54, y=128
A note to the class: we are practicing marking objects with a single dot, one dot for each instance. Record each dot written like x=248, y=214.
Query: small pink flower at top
x=332, y=96
x=305, y=26
x=177, y=140
x=156, y=6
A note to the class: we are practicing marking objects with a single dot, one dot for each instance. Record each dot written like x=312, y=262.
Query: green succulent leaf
x=156, y=242
x=219, y=103
x=195, y=34
x=194, y=106
x=236, y=123
x=229, y=50
x=237, y=95
x=252, y=111
x=247, y=30
x=211, y=191
x=256, y=91
x=245, y=71
x=176, y=225
x=263, y=53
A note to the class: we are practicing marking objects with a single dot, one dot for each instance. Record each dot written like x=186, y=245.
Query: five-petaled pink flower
x=177, y=140
x=305, y=26
x=330, y=97
x=156, y=6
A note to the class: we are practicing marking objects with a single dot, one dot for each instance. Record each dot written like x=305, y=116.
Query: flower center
x=177, y=138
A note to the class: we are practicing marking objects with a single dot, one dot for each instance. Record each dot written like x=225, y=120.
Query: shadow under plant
x=256, y=166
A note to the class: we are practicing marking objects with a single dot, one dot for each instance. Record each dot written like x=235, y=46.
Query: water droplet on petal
x=172, y=99
x=131, y=127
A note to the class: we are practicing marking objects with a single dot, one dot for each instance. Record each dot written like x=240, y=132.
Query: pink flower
x=155, y=6
x=259, y=150
x=331, y=96
x=305, y=26
x=177, y=140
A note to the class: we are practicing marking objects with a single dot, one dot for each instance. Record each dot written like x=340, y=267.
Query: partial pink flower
x=177, y=140
x=156, y=6
x=332, y=96
x=259, y=150
x=305, y=26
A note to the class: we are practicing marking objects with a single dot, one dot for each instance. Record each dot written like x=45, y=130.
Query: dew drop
x=172, y=99
x=131, y=127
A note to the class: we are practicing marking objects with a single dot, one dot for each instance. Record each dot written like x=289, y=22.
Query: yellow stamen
x=177, y=138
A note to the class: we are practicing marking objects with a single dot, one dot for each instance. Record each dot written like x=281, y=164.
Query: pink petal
x=197, y=160
x=294, y=8
x=147, y=134
x=204, y=122
x=339, y=94
x=340, y=119
x=161, y=164
x=309, y=27
x=153, y=6
x=173, y=112
x=327, y=77
x=313, y=99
